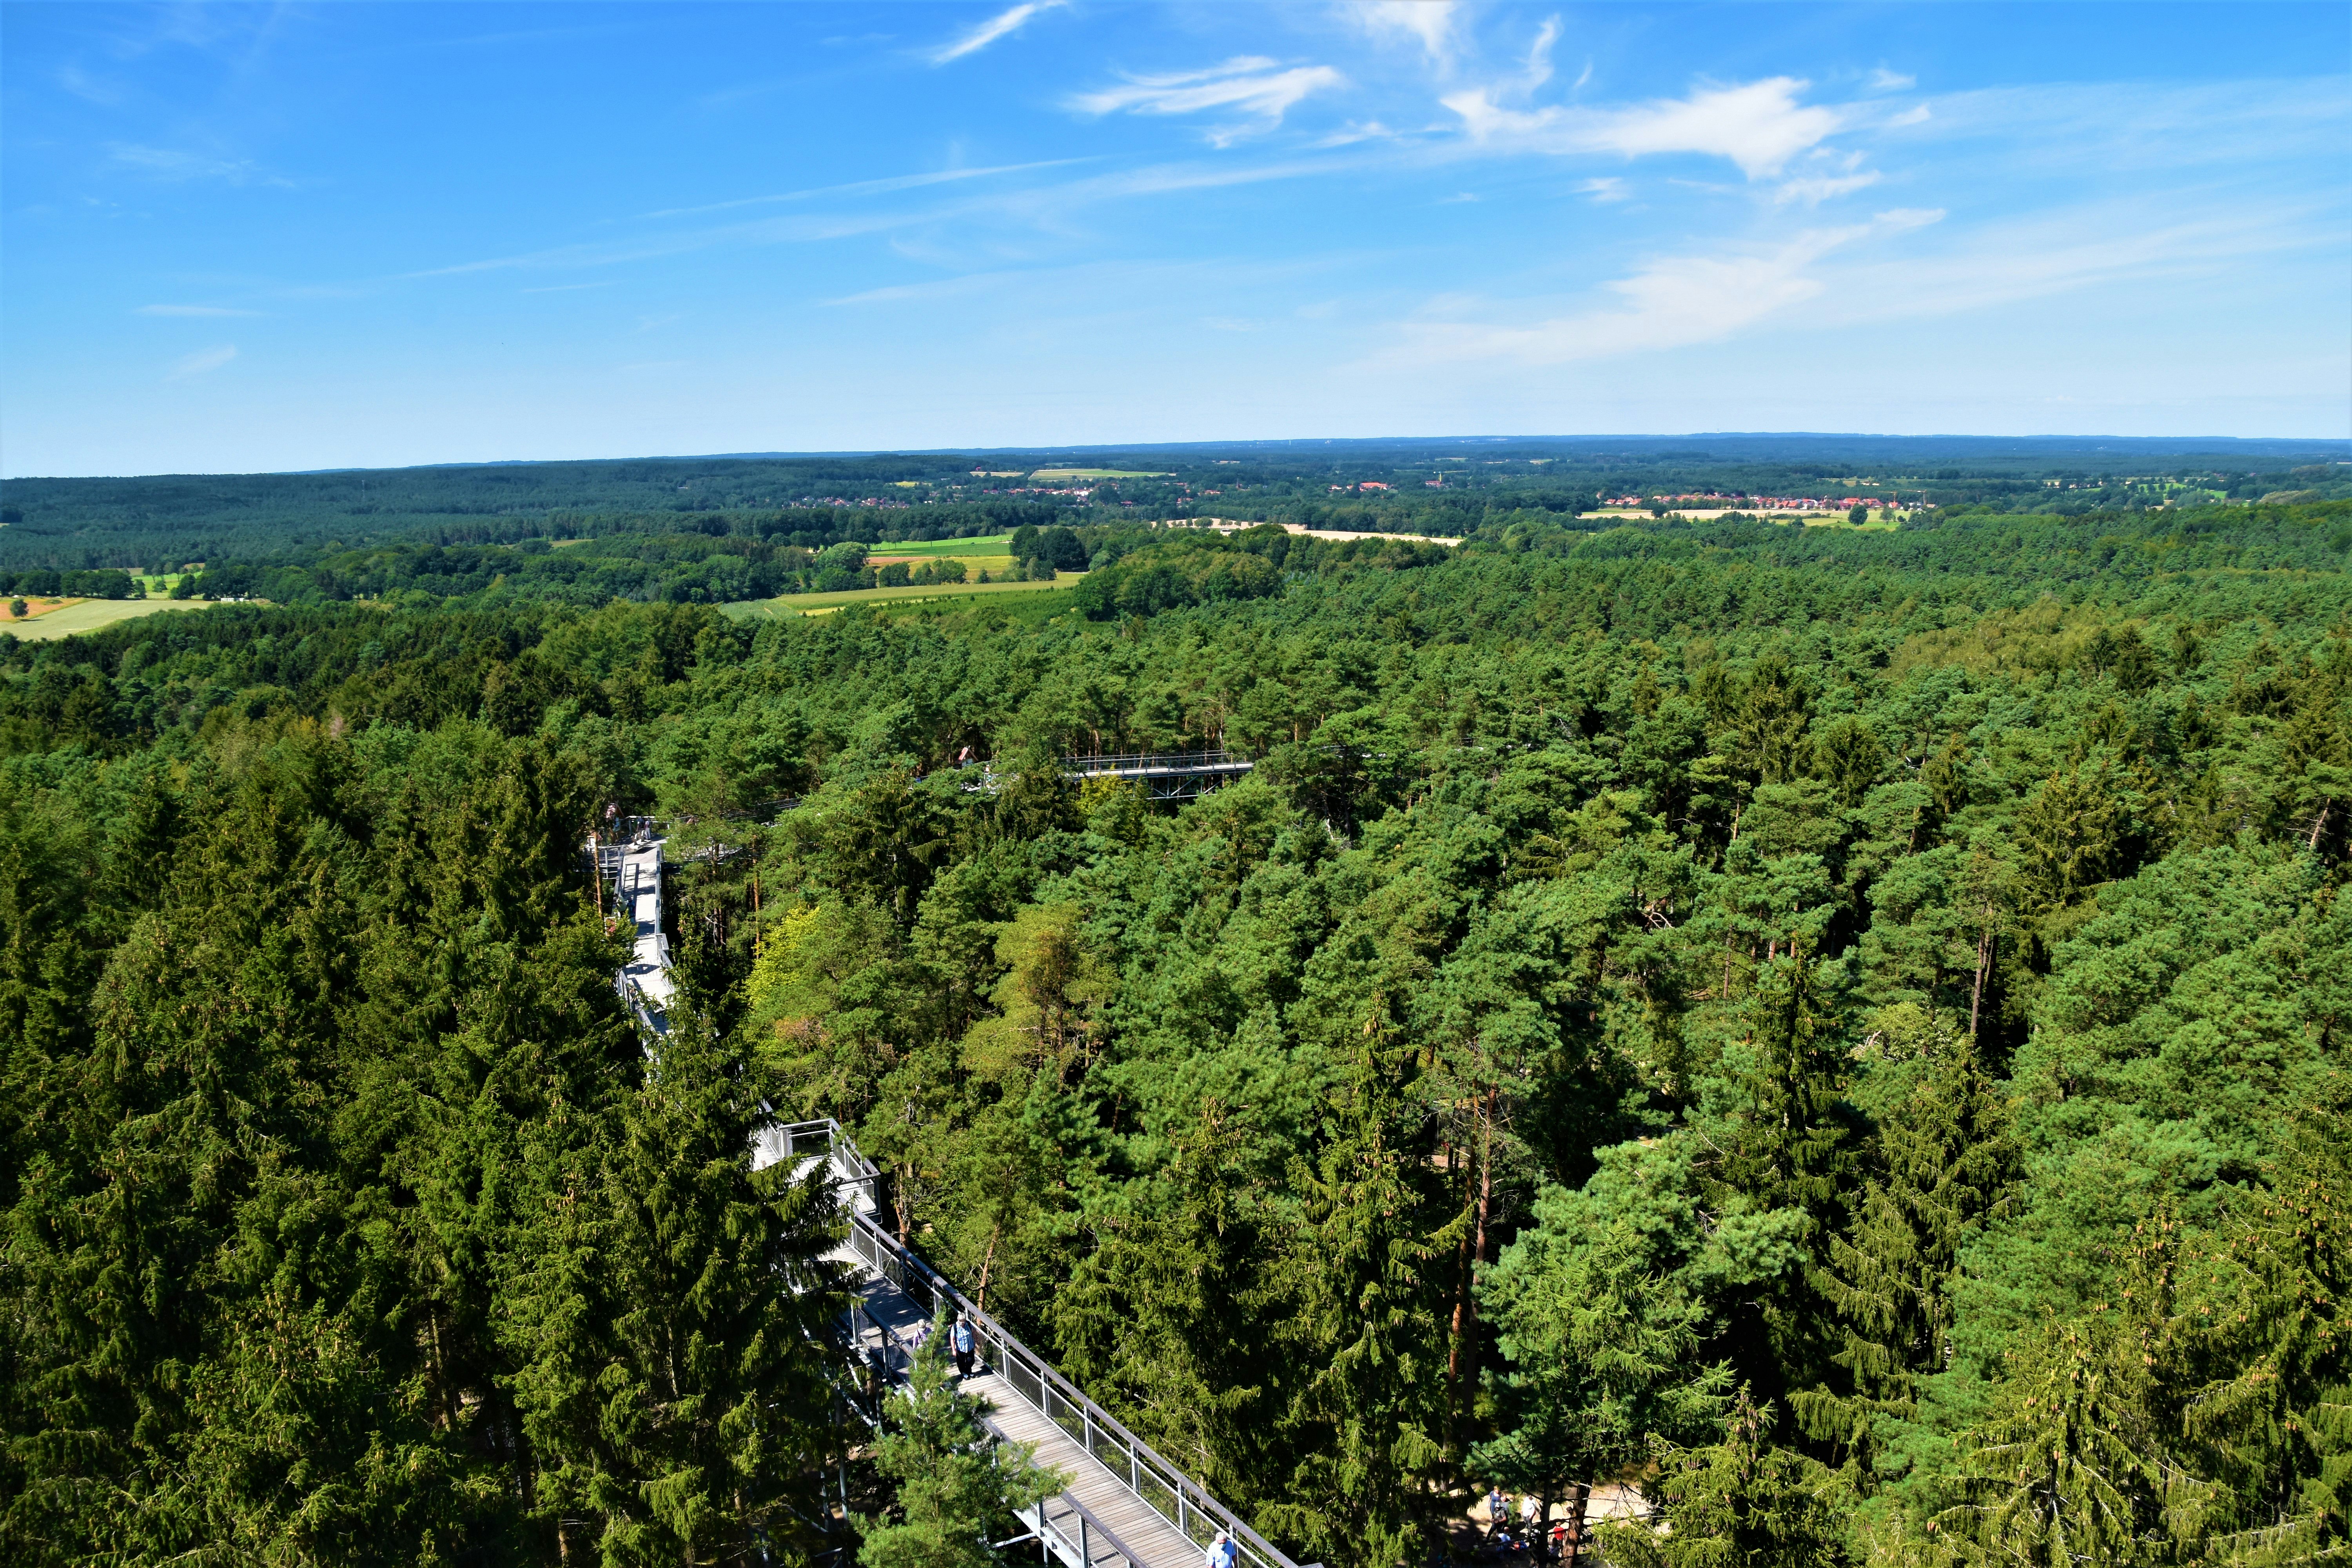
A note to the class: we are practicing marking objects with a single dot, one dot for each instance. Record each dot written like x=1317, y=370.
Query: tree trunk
x=1462, y=1364
x=1576, y=1523
x=1984, y=967
x=987, y=1260
x=1461, y=1299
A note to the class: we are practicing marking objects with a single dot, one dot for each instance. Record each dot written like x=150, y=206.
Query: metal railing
x=824, y=1139
x=1132, y=1463
x=1081, y=1537
x=1148, y=765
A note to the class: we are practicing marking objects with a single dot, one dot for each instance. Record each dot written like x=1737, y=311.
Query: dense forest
x=1841, y=1032
x=361, y=526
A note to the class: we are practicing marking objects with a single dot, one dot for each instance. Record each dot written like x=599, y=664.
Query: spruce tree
x=1740, y=1503
x=1791, y=1149
x=956, y=1484
x=1939, y=1166
x=716, y=1403
x=1370, y=1413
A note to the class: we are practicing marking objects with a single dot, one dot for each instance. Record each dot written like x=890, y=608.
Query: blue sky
x=239, y=238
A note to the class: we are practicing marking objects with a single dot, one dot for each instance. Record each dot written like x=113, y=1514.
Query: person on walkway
x=959, y=1340
x=1498, y=1508
x=1223, y=1552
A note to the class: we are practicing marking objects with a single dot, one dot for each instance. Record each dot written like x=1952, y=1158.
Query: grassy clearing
x=958, y=549
x=825, y=604
x=1098, y=474
x=90, y=614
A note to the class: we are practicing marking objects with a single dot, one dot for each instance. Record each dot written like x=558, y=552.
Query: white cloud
x=1885, y=80
x=1355, y=132
x=1673, y=303
x=203, y=360
x=192, y=310
x=1758, y=126
x=1814, y=189
x=1608, y=188
x=995, y=28
x=1428, y=22
x=1540, y=56
x=1250, y=83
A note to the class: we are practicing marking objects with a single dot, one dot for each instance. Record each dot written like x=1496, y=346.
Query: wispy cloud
x=174, y=163
x=1825, y=176
x=2097, y=247
x=1885, y=80
x=106, y=94
x=1429, y=23
x=868, y=187
x=1251, y=83
x=1674, y=302
x=200, y=362
x=192, y=310
x=1760, y=126
x=2109, y=126
x=995, y=28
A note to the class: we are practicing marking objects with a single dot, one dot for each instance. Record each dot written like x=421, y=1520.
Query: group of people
x=962, y=1342
x=1532, y=1536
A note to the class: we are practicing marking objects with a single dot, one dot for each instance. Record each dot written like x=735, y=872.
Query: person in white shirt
x=1223, y=1552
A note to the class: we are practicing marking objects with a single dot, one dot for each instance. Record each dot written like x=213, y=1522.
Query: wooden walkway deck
x=1154, y=1542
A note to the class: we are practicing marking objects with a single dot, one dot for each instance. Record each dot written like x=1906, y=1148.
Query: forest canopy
x=1837, y=1034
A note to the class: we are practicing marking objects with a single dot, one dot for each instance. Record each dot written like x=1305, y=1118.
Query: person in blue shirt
x=959, y=1340
x=1223, y=1552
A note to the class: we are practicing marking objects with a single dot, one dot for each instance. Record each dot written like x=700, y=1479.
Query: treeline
x=45, y=584
x=755, y=557
x=160, y=524
x=1840, y=1035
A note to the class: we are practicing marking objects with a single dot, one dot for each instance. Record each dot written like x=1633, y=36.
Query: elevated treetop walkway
x=1168, y=775
x=1126, y=1505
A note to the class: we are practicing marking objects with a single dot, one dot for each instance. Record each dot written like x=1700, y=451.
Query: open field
x=824, y=603
x=961, y=549
x=35, y=605
x=90, y=614
x=1230, y=525
x=1098, y=474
